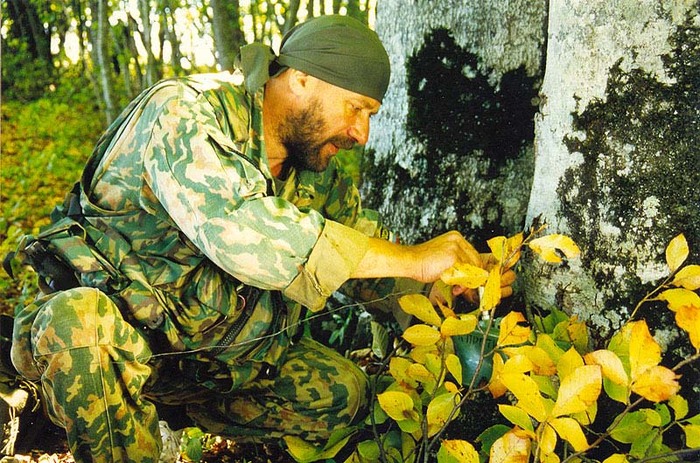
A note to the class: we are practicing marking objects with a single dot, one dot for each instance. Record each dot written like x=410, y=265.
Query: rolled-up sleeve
x=333, y=259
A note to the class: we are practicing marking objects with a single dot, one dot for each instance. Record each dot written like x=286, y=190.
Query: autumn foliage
x=549, y=381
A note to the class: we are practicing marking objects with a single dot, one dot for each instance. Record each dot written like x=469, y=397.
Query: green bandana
x=336, y=49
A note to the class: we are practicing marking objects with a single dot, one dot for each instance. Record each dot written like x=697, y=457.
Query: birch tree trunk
x=228, y=36
x=451, y=147
x=100, y=57
x=617, y=158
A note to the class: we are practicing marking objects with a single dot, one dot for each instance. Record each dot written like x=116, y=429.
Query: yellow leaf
x=688, y=277
x=466, y=275
x=547, y=247
x=398, y=405
x=676, y=252
x=569, y=430
x=420, y=307
x=454, y=366
x=512, y=447
x=656, y=384
x=548, y=440
x=611, y=365
x=458, y=326
x=644, y=351
x=679, y=406
x=398, y=369
x=569, y=362
x=439, y=410
x=510, y=332
x=527, y=393
x=496, y=386
x=543, y=364
x=451, y=387
x=518, y=363
x=421, y=335
x=688, y=318
x=679, y=297
x=616, y=458
x=461, y=450
x=578, y=390
x=419, y=373
x=692, y=435
x=492, y=290
x=506, y=251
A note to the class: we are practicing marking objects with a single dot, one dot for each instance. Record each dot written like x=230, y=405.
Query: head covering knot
x=336, y=49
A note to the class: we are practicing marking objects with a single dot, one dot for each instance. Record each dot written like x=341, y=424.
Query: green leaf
x=305, y=452
x=380, y=339
x=631, y=428
x=517, y=416
x=491, y=435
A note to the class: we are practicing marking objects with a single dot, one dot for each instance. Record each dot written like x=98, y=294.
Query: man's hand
x=423, y=262
x=487, y=261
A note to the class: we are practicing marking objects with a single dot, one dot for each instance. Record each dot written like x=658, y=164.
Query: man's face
x=331, y=120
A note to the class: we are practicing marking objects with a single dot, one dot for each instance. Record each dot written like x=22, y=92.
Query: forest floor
x=50, y=446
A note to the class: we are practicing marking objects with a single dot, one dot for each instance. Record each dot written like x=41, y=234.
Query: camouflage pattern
x=180, y=215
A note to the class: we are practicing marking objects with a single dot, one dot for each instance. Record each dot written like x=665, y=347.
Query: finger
x=506, y=291
x=508, y=278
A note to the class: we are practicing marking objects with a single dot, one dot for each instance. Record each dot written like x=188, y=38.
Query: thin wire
x=324, y=313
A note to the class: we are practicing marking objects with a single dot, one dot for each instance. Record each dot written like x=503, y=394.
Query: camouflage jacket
x=180, y=203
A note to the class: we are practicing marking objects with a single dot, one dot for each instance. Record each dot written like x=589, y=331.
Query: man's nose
x=360, y=129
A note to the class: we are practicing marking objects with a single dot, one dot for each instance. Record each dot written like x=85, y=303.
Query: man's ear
x=300, y=83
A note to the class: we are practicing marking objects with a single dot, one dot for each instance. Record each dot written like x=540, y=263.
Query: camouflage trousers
x=99, y=378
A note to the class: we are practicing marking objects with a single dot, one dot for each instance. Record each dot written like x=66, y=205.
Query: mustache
x=342, y=142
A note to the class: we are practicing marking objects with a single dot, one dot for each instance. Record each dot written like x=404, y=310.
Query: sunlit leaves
x=439, y=410
x=511, y=332
x=676, y=252
x=656, y=384
x=420, y=307
x=421, y=335
x=506, y=251
x=458, y=326
x=398, y=405
x=457, y=451
x=570, y=430
x=688, y=318
x=679, y=297
x=611, y=365
x=688, y=277
x=578, y=391
x=512, y=447
x=527, y=393
x=492, y=290
x=552, y=247
x=466, y=275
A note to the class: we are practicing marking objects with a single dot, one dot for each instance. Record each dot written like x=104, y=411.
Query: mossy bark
x=452, y=145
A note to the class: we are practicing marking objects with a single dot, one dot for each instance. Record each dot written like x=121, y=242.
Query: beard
x=299, y=134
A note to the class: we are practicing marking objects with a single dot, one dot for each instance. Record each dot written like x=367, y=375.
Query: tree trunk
x=452, y=146
x=101, y=58
x=152, y=73
x=291, y=16
x=617, y=157
x=228, y=36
